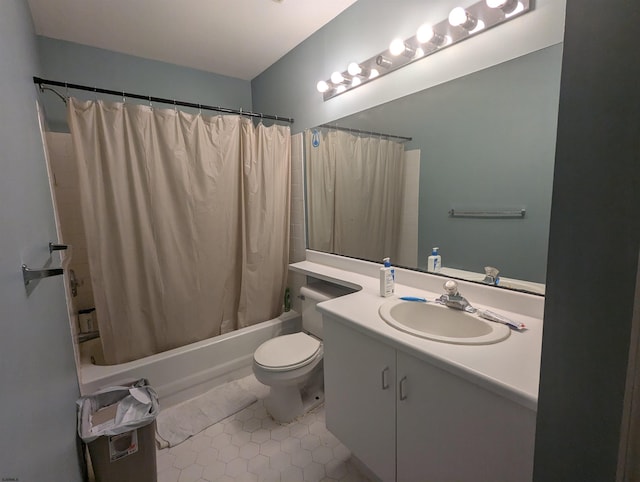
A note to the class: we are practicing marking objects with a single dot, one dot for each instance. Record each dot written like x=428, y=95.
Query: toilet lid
x=287, y=351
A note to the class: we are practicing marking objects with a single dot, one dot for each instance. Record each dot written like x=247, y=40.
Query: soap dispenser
x=387, y=278
x=434, y=263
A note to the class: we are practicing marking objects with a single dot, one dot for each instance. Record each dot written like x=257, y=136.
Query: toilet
x=291, y=365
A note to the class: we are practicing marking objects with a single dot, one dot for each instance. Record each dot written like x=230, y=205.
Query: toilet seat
x=287, y=352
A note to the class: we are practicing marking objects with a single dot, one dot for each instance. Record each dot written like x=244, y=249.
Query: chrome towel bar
x=484, y=213
x=29, y=274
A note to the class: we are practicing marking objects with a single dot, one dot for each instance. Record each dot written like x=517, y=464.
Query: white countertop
x=510, y=368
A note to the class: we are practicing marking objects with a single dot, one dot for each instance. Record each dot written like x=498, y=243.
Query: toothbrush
x=413, y=298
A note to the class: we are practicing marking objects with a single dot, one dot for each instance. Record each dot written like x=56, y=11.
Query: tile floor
x=250, y=446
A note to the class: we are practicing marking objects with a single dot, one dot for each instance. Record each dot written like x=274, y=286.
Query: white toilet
x=291, y=365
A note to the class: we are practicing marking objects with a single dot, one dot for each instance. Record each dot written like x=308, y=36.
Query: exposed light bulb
x=322, y=86
x=397, y=47
x=459, y=17
x=354, y=69
x=341, y=88
x=337, y=78
x=496, y=3
x=355, y=82
x=374, y=73
x=419, y=53
x=424, y=33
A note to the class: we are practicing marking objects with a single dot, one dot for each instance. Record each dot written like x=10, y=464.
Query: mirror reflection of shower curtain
x=186, y=218
x=354, y=194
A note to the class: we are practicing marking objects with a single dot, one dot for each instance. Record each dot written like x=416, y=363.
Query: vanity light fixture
x=461, y=24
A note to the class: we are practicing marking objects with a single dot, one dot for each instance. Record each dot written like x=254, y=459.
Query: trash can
x=118, y=425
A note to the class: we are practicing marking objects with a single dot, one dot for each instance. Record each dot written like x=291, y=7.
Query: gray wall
x=37, y=371
x=81, y=64
x=487, y=140
x=593, y=246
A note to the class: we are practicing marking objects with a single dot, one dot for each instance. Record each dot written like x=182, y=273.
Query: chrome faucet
x=491, y=275
x=453, y=299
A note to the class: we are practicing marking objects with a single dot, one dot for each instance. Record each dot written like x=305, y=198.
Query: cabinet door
x=359, y=375
x=452, y=430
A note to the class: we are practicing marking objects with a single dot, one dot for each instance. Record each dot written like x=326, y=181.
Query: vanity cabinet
x=408, y=420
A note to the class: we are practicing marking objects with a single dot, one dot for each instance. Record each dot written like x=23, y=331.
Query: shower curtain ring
x=66, y=90
x=124, y=99
x=150, y=104
x=199, y=109
x=175, y=106
x=95, y=94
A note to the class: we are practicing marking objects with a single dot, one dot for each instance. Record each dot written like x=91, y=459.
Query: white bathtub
x=191, y=370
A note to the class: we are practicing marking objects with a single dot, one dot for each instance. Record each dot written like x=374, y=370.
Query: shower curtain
x=354, y=193
x=186, y=219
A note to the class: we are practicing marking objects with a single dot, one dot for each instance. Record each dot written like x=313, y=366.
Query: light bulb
x=397, y=47
x=355, y=81
x=459, y=17
x=354, y=69
x=419, y=53
x=337, y=78
x=374, y=73
x=507, y=6
x=424, y=33
x=341, y=88
x=322, y=86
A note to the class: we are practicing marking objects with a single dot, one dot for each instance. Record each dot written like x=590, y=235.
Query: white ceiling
x=237, y=38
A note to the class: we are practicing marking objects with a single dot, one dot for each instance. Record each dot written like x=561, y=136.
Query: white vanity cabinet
x=408, y=420
x=360, y=396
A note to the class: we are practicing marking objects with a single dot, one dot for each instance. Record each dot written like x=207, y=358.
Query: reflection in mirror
x=482, y=144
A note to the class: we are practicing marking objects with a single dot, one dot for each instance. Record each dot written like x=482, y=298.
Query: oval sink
x=440, y=323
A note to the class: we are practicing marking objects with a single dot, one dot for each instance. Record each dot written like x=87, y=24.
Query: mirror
x=482, y=146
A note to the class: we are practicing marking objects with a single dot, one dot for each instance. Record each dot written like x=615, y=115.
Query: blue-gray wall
x=37, y=370
x=81, y=64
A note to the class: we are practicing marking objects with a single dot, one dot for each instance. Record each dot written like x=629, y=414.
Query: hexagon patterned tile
x=250, y=446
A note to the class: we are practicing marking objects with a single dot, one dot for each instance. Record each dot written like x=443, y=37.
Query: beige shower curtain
x=354, y=193
x=186, y=219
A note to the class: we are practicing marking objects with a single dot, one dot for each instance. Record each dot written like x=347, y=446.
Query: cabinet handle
x=385, y=381
x=403, y=395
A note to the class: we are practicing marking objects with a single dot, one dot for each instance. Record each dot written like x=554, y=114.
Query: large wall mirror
x=475, y=179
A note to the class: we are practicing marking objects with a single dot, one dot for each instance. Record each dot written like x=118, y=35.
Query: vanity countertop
x=509, y=368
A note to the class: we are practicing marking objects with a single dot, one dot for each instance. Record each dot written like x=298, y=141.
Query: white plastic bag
x=137, y=406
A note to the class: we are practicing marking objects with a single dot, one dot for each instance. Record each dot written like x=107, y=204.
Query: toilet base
x=286, y=403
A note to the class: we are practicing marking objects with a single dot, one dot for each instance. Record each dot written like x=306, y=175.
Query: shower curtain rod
x=358, y=131
x=150, y=98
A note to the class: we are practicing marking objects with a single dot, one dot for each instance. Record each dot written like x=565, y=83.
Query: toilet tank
x=312, y=294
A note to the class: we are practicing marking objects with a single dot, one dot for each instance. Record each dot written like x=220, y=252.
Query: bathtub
x=186, y=372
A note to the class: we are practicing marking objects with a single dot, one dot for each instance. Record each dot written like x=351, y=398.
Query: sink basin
x=440, y=323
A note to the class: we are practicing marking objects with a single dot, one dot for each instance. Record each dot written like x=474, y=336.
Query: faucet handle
x=491, y=271
x=451, y=287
